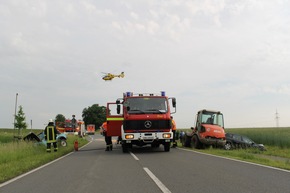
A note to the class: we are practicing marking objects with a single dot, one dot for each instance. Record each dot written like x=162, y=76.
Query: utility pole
x=15, y=112
x=277, y=118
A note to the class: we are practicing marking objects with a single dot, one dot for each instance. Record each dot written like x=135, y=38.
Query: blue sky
x=231, y=56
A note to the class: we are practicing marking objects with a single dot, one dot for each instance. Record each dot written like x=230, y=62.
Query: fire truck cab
x=141, y=119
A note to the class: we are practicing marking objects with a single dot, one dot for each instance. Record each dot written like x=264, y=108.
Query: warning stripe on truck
x=115, y=119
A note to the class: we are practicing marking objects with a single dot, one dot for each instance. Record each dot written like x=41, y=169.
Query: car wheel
x=63, y=143
x=228, y=146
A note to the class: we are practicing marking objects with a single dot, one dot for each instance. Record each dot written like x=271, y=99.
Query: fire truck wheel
x=124, y=148
x=167, y=146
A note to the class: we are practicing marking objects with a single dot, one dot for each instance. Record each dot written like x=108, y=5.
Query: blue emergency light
x=162, y=93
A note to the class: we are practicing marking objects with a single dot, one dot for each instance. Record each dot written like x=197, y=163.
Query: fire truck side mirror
x=174, y=102
x=118, y=109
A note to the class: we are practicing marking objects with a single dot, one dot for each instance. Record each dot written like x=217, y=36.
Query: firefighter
x=173, y=127
x=50, y=136
x=74, y=122
x=108, y=139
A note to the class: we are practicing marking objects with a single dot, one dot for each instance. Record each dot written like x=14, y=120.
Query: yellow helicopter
x=110, y=76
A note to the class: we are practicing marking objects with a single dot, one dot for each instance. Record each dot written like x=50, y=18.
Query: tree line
x=94, y=114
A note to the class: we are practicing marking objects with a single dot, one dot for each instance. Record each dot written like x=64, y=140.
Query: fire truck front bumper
x=147, y=138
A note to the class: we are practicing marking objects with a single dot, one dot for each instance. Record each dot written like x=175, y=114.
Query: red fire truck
x=69, y=126
x=141, y=119
x=90, y=129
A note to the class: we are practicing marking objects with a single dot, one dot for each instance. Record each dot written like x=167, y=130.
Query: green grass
x=276, y=141
x=253, y=155
x=18, y=157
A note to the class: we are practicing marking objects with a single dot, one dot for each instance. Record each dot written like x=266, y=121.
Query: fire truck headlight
x=167, y=135
x=129, y=136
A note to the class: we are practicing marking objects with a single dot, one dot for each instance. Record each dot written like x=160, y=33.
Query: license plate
x=147, y=137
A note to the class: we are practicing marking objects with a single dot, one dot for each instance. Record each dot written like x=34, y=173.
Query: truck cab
x=142, y=119
x=208, y=130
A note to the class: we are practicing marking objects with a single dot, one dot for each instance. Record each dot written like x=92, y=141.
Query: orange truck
x=90, y=129
x=208, y=131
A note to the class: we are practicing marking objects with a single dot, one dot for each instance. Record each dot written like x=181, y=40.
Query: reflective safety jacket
x=50, y=133
x=173, y=125
x=104, y=126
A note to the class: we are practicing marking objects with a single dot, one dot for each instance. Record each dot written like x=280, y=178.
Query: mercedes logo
x=147, y=124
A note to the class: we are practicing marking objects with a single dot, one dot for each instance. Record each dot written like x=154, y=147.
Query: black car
x=240, y=141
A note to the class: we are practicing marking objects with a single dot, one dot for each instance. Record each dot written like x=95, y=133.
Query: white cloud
x=89, y=6
x=232, y=56
x=152, y=27
x=116, y=25
x=283, y=89
x=134, y=15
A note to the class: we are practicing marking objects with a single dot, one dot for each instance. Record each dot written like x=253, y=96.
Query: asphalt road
x=147, y=170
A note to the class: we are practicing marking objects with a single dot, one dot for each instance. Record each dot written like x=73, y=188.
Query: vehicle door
x=114, y=119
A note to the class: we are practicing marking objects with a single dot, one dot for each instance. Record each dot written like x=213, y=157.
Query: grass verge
x=274, y=156
x=18, y=157
x=276, y=141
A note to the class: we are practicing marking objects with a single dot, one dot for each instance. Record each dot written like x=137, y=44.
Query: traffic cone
x=76, y=145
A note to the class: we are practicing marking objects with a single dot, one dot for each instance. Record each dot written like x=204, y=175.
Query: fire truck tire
x=167, y=146
x=124, y=148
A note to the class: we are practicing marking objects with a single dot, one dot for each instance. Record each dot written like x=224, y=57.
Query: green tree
x=59, y=120
x=94, y=115
x=20, y=119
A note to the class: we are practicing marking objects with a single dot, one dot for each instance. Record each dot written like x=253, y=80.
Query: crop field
x=279, y=137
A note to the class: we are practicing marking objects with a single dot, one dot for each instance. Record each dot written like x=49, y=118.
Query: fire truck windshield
x=141, y=105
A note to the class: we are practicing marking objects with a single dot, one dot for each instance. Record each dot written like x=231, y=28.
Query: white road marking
x=157, y=181
x=153, y=177
x=134, y=156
